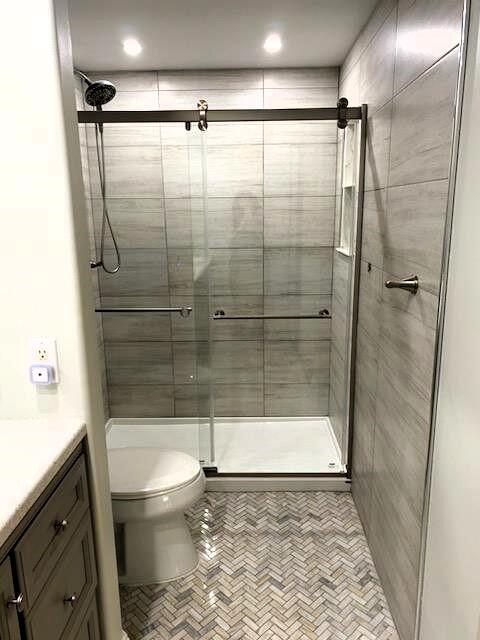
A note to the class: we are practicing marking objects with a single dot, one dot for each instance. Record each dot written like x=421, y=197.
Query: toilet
x=151, y=490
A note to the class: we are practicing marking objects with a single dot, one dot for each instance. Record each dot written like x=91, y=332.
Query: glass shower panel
x=271, y=211
x=155, y=364
x=197, y=162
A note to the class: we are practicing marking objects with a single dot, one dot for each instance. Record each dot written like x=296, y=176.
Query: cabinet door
x=9, y=629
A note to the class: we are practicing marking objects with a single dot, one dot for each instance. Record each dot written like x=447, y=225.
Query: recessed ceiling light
x=273, y=43
x=132, y=47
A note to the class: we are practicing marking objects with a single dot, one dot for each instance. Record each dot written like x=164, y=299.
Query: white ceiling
x=214, y=34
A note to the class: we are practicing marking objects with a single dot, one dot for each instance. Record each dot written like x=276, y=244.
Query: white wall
x=451, y=597
x=44, y=251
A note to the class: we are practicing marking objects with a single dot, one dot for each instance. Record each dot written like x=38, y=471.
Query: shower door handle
x=410, y=283
x=183, y=311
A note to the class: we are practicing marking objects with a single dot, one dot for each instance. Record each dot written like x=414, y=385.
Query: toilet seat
x=145, y=472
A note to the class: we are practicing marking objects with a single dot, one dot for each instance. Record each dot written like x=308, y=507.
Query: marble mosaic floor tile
x=273, y=566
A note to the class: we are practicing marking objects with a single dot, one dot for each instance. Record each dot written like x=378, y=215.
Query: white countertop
x=31, y=453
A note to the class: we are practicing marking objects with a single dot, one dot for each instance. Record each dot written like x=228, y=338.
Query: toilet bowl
x=151, y=490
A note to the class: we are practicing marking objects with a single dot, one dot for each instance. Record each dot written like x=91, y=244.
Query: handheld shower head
x=99, y=93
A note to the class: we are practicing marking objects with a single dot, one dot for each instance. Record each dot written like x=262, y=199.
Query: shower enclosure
x=228, y=331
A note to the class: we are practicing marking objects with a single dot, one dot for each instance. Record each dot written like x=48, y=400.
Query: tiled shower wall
x=405, y=66
x=271, y=211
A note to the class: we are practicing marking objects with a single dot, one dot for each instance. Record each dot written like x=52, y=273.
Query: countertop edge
x=59, y=457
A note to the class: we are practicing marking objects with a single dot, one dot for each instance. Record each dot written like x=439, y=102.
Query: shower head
x=99, y=92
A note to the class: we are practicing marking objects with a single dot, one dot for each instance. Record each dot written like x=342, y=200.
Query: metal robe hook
x=202, y=115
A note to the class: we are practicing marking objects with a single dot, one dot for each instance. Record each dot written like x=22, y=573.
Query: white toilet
x=151, y=490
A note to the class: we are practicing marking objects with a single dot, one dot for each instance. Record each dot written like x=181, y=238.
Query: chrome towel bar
x=183, y=311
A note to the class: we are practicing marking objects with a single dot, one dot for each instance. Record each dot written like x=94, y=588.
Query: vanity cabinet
x=48, y=578
x=9, y=624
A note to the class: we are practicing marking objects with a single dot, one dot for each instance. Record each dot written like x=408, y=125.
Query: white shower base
x=242, y=445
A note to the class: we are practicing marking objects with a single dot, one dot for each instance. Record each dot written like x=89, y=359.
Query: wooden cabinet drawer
x=68, y=592
x=9, y=629
x=89, y=629
x=50, y=533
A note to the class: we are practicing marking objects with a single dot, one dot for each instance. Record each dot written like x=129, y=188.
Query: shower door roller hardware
x=202, y=106
x=410, y=283
x=342, y=105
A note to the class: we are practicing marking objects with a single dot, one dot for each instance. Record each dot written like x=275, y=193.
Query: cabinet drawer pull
x=16, y=602
x=61, y=525
x=71, y=600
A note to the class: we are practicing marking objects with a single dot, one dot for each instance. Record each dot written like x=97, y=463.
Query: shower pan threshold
x=253, y=446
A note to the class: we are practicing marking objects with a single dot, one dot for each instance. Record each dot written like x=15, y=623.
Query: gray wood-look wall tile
x=300, y=132
x=416, y=212
x=298, y=271
x=219, y=134
x=140, y=401
x=297, y=362
x=137, y=223
x=194, y=326
x=133, y=101
x=216, y=98
x=238, y=399
x=182, y=172
x=235, y=171
x=398, y=577
x=377, y=64
x=299, y=221
x=376, y=20
x=374, y=227
x=305, y=98
x=365, y=414
x=136, y=327
x=235, y=222
x=210, y=79
x=378, y=148
x=143, y=273
x=297, y=329
x=185, y=222
x=190, y=362
x=191, y=400
x=370, y=296
x=237, y=329
x=122, y=182
x=128, y=80
x=421, y=138
x=127, y=134
x=296, y=399
x=301, y=78
x=180, y=272
x=338, y=391
x=139, y=362
x=235, y=160
x=427, y=30
x=237, y=362
x=236, y=272
x=304, y=170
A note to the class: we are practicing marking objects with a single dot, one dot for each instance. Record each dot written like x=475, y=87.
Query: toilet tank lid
x=148, y=470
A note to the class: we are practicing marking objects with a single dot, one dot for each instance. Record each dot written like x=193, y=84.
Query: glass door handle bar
x=322, y=315
x=183, y=311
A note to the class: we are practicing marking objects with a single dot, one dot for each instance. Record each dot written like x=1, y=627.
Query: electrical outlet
x=43, y=351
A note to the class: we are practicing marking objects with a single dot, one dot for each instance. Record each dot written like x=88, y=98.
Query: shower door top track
x=219, y=115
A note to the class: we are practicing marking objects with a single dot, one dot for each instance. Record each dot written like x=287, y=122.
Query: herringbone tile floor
x=273, y=566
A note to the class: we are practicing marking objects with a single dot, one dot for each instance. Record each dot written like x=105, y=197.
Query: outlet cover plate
x=44, y=351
